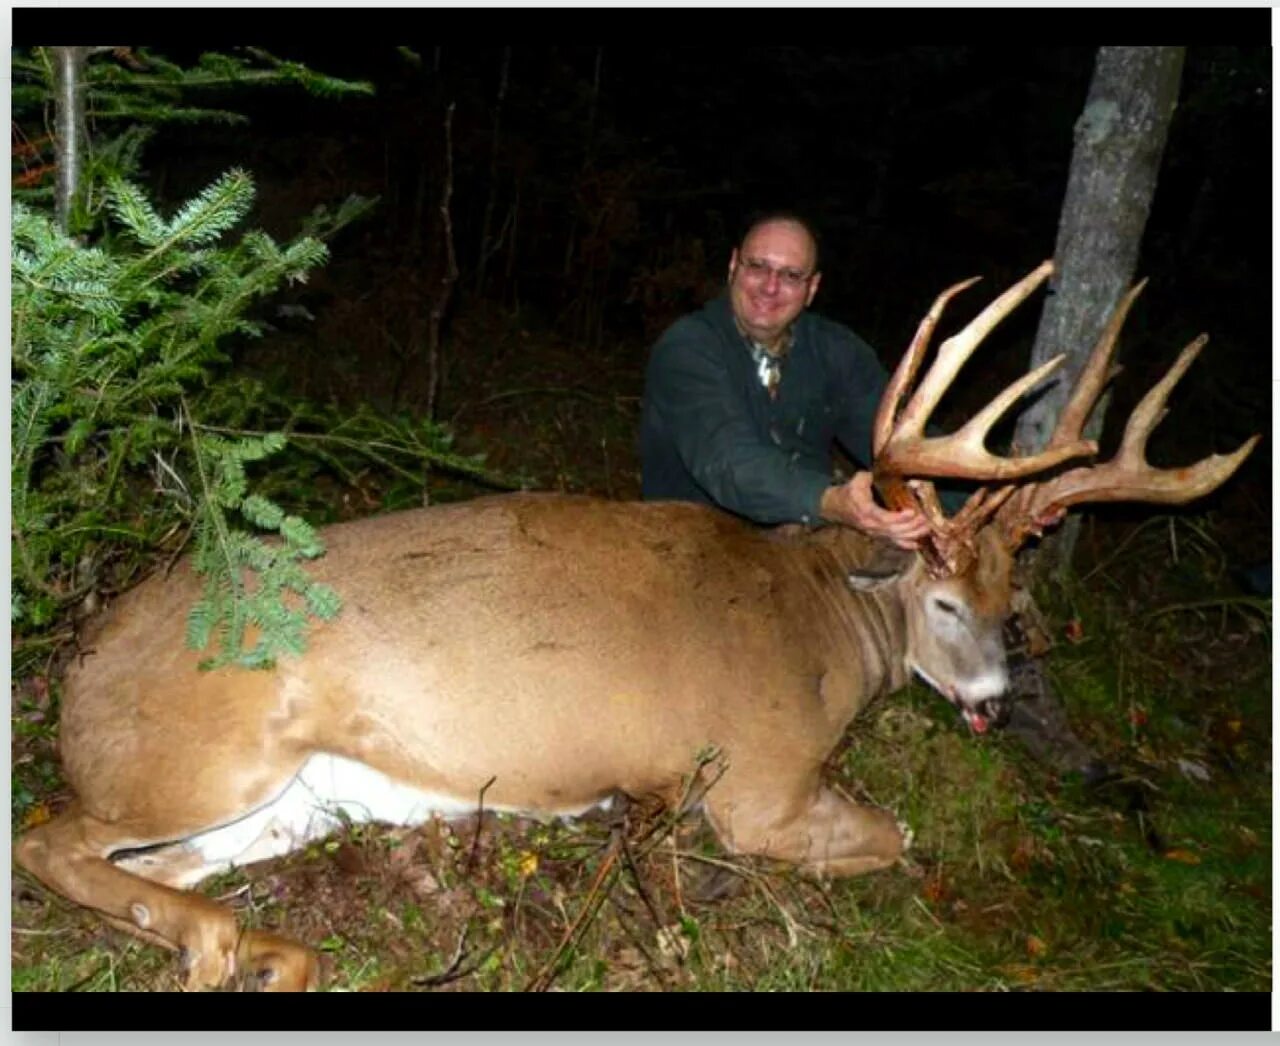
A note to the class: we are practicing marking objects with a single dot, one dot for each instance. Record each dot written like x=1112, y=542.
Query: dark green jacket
x=710, y=433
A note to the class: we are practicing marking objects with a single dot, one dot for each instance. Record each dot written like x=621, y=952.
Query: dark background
x=619, y=170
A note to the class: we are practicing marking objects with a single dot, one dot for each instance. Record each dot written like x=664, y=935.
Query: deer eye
x=947, y=607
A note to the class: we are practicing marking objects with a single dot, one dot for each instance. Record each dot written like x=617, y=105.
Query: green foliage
x=114, y=346
x=130, y=436
x=225, y=557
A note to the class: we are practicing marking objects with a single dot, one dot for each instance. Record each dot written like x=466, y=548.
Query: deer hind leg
x=812, y=826
x=69, y=854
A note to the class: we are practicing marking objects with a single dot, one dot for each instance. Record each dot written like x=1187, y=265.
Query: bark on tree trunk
x=489, y=243
x=1119, y=140
x=444, y=290
x=70, y=139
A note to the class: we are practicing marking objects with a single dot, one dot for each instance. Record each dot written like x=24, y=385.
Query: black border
x=462, y=1011
x=214, y=27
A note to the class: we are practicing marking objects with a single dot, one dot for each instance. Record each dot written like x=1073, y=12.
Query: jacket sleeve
x=694, y=393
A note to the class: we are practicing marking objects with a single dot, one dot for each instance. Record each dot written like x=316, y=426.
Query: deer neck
x=865, y=631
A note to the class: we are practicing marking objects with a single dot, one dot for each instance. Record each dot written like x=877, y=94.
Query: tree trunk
x=70, y=139
x=1119, y=140
x=489, y=244
x=443, y=291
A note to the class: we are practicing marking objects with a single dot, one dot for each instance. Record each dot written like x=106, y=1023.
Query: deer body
x=554, y=649
x=566, y=647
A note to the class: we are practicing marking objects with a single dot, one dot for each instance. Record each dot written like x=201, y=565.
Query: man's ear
x=733, y=263
x=814, y=280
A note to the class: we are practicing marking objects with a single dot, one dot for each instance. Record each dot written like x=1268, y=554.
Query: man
x=744, y=398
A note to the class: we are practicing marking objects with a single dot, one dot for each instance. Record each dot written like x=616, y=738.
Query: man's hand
x=854, y=504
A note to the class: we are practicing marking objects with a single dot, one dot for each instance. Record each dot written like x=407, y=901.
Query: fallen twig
x=475, y=840
x=600, y=887
x=455, y=971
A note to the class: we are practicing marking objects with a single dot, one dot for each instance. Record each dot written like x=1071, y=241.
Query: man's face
x=771, y=279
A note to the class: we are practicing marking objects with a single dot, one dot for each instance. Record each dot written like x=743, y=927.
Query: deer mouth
x=979, y=715
x=986, y=715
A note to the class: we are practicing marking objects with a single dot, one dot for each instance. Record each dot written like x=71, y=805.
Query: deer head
x=970, y=552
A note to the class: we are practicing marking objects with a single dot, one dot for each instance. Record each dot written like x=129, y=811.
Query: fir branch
x=118, y=329
x=132, y=209
x=217, y=209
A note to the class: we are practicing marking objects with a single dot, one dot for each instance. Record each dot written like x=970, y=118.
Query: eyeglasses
x=757, y=270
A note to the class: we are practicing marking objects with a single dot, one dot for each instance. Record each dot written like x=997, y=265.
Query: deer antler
x=902, y=450
x=1127, y=476
x=904, y=455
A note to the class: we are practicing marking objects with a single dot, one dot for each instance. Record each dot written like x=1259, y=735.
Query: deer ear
x=869, y=580
x=888, y=564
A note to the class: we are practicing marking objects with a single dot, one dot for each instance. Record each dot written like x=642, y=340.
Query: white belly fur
x=329, y=792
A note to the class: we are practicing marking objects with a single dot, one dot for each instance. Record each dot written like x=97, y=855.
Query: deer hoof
x=205, y=969
x=908, y=836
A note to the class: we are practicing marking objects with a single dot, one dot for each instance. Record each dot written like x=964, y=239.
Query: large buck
x=564, y=649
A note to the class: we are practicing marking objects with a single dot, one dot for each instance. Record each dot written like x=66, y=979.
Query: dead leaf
x=1021, y=974
x=1185, y=856
x=1194, y=770
x=351, y=859
x=1036, y=948
x=37, y=815
x=672, y=943
x=425, y=884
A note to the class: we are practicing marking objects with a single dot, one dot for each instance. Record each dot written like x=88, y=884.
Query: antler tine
x=895, y=491
x=907, y=451
x=886, y=413
x=905, y=457
x=1127, y=476
x=980, y=507
x=1151, y=410
x=956, y=350
x=1094, y=376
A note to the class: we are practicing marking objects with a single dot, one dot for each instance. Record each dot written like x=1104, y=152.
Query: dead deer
x=548, y=651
